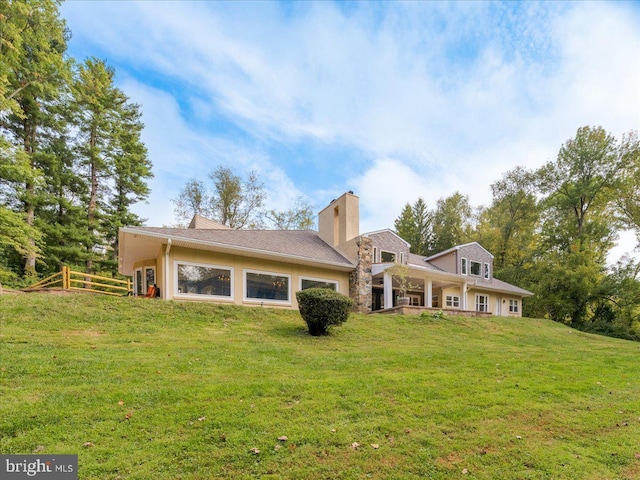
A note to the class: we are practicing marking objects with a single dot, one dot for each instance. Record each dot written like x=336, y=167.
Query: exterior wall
x=453, y=291
x=446, y=262
x=239, y=264
x=494, y=298
x=389, y=242
x=476, y=253
x=360, y=279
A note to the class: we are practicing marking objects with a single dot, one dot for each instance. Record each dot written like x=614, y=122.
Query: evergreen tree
x=415, y=226
x=112, y=155
x=33, y=72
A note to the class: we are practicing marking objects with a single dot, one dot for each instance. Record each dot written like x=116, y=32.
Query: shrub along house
x=210, y=262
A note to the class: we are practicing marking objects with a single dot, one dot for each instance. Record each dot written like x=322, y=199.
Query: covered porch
x=428, y=289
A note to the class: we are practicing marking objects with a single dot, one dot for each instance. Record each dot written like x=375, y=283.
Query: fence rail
x=68, y=279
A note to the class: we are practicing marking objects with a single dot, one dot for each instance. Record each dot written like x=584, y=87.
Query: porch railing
x=68, y=279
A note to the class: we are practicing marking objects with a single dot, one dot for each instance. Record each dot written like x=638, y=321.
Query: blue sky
x=391, y=100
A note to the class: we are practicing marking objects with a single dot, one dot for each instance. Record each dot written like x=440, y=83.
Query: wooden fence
x=67, y=279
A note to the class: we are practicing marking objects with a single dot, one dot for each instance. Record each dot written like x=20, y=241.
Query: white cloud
x=446, y=96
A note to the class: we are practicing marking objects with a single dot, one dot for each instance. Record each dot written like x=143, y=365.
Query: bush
x=322, y=308
x=437, y=315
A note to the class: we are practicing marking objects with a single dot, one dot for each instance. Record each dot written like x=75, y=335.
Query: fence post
x=65, y=282
x=129, y=289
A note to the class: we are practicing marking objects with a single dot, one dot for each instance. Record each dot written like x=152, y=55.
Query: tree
x=130, y=170
x=451, y=222
x=580, y=224
x=298, y=217
x=628, y=201
x=112, y=154
x=33, y=72
x=193, y=199
x=237, y=203
x=508, y=227
x=581, y=185
x=415, y=226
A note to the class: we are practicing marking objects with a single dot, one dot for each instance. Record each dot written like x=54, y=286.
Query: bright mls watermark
x=49, y=467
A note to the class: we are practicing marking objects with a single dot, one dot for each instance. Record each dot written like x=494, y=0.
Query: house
x=209, y=262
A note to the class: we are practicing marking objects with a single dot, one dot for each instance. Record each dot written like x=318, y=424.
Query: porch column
x=429, y=294
x=387, y=286
x=464, y=296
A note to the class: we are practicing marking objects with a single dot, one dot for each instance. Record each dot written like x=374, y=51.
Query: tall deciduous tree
x=298, y=217
x=580, y=224
x=452, y=222
x=193, y=199
x=508, y=226
x=235, y=202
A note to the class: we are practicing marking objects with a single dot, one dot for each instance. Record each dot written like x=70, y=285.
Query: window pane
x=267, y=287
x=196, y=280
x=139, y=288
x=486, y=270
x=475, y=268
x=388, y=257
x=150, y=274
x=317, y=284
x=464, y=266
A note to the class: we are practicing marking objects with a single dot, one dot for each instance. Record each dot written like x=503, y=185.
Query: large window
x=387, y=257
x=267, y=286
x=513, y=306
x=209, y=280
x=317, y=283
x=475, y=268
x=453, y=301
x=482, y=303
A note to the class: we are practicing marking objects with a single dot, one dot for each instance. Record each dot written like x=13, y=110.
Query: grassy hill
x=144, y=389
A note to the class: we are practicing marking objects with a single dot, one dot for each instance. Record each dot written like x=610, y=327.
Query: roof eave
x=234, y=250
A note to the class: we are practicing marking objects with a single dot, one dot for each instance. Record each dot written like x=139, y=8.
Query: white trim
x=485, y=304
x=136, y=290
x=453, y=299
x=265, y=300
x=464, y=266
x=313, y=279
x=487, y=271
x=144, y=275
x=183, y=295
x=514, y=305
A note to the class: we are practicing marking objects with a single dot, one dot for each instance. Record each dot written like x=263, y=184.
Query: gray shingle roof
x=305, y=244
x=421, y=261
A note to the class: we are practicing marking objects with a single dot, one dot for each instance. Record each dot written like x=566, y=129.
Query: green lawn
x=143, y=389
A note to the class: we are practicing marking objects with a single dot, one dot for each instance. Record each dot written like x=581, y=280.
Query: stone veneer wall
x=360, y=278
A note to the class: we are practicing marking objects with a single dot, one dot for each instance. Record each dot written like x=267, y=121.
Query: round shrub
x=322, y=307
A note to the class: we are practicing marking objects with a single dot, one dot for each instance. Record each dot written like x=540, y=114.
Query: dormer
x=470, y=259
x=388, y=247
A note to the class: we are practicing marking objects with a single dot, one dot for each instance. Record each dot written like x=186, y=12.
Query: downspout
x=167, y=295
